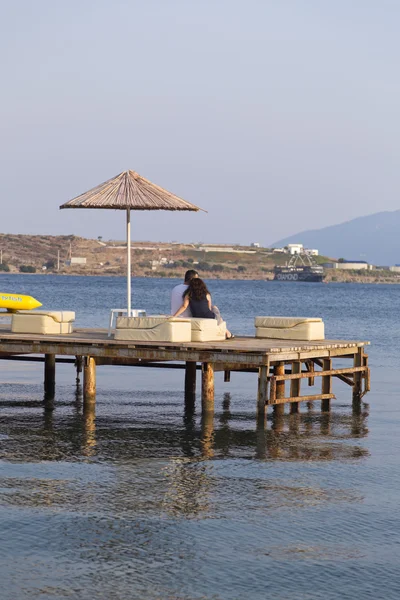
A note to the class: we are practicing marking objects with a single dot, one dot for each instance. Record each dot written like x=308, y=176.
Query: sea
x=141, y=498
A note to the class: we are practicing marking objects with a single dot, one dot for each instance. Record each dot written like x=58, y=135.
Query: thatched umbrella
x=129, y=191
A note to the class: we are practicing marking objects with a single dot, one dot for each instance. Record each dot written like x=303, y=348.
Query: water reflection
x=69, y=429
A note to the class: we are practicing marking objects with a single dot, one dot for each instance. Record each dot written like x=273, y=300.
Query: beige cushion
x=284, y=322
x=60, y=316
x=308, y=331
x=42, y=322
x=207, y=330
x=146, y=322
x=177, y=330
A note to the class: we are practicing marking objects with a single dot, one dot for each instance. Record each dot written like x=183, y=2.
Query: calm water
x=146, y=501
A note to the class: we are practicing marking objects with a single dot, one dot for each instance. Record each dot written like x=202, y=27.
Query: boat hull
x=299, y=274
x=13, y=302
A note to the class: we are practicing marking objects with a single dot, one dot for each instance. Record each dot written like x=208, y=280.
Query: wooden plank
x=238, y=343
x=320, y=373
x=343, y=378
x=303, y=398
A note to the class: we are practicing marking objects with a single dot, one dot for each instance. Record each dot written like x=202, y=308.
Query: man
x=178, y=291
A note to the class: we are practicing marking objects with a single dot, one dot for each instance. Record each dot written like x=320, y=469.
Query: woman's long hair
x=197, y=289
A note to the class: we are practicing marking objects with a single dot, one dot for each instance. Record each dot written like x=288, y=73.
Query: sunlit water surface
x=145, y=500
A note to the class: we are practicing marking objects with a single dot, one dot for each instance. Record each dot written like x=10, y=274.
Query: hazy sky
x=274, y=115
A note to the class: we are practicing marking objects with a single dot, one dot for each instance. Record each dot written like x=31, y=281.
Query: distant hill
x=375, y=238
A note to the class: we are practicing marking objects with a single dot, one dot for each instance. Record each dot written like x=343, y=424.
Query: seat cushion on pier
x=153, y=329
x=284, y=321
x=207, y=330
x=43, y=322
x=146, y=322
x=290, y=328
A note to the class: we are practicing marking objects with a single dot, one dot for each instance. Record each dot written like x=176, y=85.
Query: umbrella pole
x=128, y=262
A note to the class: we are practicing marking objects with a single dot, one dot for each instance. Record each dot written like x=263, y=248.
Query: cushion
x=283, y=321
x=177, y=330
x=314, y=330
x=42, y=322
x=146, y=322
x=207, y=330
x=60, y=316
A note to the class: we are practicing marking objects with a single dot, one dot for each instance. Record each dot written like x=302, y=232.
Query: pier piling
x=326, y=384
x=49, y=375
x=89, y=378
x=279, y=409
x=190, y=378
x=262, y=394
x=78, y=364
x=295, y=386
x=357, y=378
x=207, y=388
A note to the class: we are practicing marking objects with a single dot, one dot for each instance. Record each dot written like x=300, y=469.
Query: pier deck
x=277, y=362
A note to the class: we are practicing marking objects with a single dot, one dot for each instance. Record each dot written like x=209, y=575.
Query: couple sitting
x=192, y=299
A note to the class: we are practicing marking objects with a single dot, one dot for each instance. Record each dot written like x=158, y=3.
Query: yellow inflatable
x=13, y=302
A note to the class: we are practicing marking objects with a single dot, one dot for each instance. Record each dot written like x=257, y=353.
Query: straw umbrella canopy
x=129, y=191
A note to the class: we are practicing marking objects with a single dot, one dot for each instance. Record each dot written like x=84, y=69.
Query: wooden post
x=311, y=369
x=49, y=375
x=326, y=384
x=190, y=378
x=78, y=364
x=207, y=387
x=89, y=378
x=295, y=386
x=279, y=409
x=262, y=393
x=357, y=378
x=227, y=376
x=367, y=384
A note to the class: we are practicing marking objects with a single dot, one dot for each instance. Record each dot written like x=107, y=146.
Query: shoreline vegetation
x=72, y=255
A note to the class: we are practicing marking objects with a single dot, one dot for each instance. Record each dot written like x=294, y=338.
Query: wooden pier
x=282, y=365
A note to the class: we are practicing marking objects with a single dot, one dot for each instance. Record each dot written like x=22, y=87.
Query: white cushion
x=203, y=324
x=178, y=330
x=284, y=322
x=208, y=332
x=59, y=316
x=146, y=322
x=43, y=323
x=304, y=331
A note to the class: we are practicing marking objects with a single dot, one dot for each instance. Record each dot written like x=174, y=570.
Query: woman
x=198, y=299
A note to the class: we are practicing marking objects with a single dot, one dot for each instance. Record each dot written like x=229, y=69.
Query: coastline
x=343, y=278
x=72, y=255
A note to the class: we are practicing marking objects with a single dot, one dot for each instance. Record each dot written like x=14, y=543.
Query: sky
x=276, y=116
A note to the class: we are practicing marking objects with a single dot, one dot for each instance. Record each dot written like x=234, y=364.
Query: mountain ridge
x=374, y=238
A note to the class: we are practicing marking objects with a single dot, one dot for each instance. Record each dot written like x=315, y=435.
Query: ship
x=301, y=267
